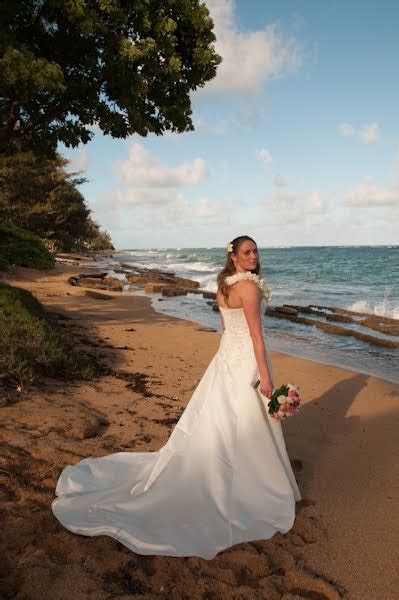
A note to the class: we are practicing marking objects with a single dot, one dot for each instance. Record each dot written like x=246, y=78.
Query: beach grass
x=31, y=346
x=20, y=247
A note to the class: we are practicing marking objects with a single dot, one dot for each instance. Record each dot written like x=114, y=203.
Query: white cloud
x=79, y=160
x=207, y=208
x=316, y=203
x=370, y=132
x=265, y=156
x=285, y=207
x=279, y=181
x=346, y=129
x=145, y=196
x=250, y=58
x=144, y=169
x=369, y=195
x=220, y=127
x=392, y=215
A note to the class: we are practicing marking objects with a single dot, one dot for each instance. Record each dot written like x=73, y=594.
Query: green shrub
x=30, y=345
x=20, y=247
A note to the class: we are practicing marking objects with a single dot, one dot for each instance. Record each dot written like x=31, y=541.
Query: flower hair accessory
x=229, y=247
x=232, y=279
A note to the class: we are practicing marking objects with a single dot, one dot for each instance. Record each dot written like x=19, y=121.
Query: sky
x=296, y=140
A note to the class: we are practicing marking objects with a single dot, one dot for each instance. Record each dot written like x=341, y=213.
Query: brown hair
x=230, y=269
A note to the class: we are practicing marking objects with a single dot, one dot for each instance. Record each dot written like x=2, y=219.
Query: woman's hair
x=230, y=269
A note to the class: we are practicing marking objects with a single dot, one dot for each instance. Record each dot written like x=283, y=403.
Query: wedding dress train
x=222, y=478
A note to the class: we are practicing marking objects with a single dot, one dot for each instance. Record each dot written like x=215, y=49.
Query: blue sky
x=296, y=141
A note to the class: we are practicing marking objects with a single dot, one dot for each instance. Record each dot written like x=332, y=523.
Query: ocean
x=359, y=278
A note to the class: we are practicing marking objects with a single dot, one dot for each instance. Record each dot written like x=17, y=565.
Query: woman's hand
x=266, y=387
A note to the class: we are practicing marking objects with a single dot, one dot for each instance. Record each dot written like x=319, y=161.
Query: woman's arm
x=251, y=298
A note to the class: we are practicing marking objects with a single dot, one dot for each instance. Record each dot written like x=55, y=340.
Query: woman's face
x=246, y=258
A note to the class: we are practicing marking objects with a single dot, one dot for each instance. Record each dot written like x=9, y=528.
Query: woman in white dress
x=224, y=476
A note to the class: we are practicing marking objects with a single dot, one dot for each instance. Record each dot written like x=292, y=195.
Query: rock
x=73, y=280
x=215, y=307
x=152, y=277
x=97, y=295
x=187, y=283
x=335, y=329
x=155, y=288
x=210, y=295
x=92, y=282
x=340, y=318
x=71, y=256
x=304, y=309
x=145, y=270
x=113, y=283
x=92, y=275
x=174, y=291
x=87, y=281
x=288, y=310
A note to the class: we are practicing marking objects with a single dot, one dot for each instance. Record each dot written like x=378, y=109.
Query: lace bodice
x=235, y=322
x=236, y=346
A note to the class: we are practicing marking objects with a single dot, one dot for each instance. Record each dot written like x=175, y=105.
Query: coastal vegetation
x=66, y=69
x=30, y=344
x=20, y=247
x=41, y=196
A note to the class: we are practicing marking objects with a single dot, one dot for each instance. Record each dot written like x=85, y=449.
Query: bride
x=224, y=476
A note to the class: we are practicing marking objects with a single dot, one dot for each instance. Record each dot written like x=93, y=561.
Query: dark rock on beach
x=173, y=291
x=100, y=281
x=329, y=313
x=154, y=277
x=97, y=295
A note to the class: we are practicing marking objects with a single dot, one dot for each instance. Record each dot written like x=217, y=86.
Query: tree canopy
x=127, y=66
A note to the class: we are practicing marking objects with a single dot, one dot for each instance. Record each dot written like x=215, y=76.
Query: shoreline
x=272, y=351
x=342, y=445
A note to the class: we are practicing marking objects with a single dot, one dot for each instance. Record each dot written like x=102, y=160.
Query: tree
x=39, y=195
x=127, y=66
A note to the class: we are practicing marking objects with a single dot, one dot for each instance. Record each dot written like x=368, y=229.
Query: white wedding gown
x=222, y=478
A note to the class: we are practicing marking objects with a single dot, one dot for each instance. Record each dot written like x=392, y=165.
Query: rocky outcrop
x=113, y=283
x=385, y=325
x=146, y=270
x=68, y=256
x=155, y=288
x=209, y=295
x=330, y=328
x=99, y=281
x=155, y=277
x=288, y=310
x=173, y=291
x=97, y=295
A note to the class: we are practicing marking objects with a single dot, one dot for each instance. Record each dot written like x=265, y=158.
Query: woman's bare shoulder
x=246, y=286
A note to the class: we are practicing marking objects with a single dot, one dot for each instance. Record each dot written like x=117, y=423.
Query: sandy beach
x=343, y=446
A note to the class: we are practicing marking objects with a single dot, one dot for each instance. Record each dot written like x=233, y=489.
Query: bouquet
x=284, y=402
